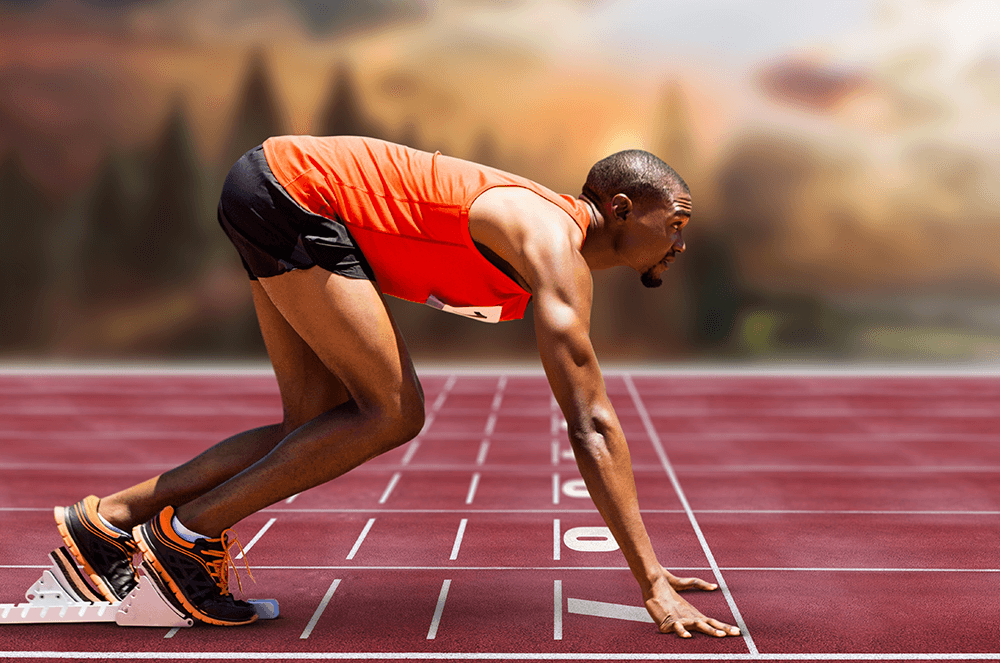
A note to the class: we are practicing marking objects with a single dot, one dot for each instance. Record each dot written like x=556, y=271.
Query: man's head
x=645, y=204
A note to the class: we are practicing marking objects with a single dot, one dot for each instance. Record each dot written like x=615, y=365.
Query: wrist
x=653, y=578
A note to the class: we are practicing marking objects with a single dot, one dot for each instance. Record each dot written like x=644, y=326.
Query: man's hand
x=675, y=615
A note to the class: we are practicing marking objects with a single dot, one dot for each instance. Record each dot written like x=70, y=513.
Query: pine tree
x=258, y=113
x=27, y=230
x=103, y=254
x=170, y=242
x=343, y=113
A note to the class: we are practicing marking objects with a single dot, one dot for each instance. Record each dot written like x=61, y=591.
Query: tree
x=27, y=231
x=257, y=115
x=170, y=242
x=343, y=113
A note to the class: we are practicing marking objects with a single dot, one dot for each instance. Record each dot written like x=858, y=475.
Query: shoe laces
x=219, y=569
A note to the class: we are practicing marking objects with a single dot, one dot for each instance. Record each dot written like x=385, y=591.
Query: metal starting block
x=65, y=594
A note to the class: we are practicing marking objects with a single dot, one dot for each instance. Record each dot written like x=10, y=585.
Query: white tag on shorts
x=481, y=313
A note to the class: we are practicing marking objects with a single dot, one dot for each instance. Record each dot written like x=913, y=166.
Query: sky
x=731, y=30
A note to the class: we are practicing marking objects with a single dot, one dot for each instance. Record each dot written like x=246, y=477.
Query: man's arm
x=563, y=290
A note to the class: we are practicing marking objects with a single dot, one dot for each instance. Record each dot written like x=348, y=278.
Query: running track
x=846, y=516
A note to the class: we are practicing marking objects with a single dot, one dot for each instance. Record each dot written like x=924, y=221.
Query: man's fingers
x=680, y=584
x=706, y=625
x=727, y=629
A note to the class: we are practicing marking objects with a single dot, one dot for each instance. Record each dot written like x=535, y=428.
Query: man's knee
x=403, y=418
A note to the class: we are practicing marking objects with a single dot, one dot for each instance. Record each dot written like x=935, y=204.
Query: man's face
x=654, y=238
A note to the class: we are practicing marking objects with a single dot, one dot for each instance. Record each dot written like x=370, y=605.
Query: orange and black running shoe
x=105, y=555
x=197, y=573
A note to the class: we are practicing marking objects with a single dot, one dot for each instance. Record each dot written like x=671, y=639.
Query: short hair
x=638, y=174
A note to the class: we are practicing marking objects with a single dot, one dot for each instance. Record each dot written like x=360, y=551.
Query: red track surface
x=849, y=518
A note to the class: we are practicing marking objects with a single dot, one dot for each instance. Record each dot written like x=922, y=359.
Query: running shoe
x=197, y=573
x=105, y=555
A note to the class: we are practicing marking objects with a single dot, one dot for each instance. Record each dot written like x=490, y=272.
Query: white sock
x=184, y=532
x=112, y=527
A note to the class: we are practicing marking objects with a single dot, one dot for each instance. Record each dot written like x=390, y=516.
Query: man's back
x=409, y=213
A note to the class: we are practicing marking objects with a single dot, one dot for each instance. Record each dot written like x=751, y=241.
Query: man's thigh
x=346, y=325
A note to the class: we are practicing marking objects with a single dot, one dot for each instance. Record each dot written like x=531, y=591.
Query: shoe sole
x=99, y=583
x=150, y=557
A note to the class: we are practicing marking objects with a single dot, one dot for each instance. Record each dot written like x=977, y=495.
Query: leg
x=344, y=324
x=139, y=503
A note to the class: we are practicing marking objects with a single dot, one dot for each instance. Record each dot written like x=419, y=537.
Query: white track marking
x=557, y=602
x=414, y=444
x=388, y=489
x=609, y=610
x=556, y=540
x=748, y=512
x=411, y=449
x=555, y=488
x=498, y=396
x=292, y=498
x=361, y=538
x=438, y=610
x=481, y=656
x=171, y=633
x=658, y=445
x=692, y=569
x=256, y=538
x=491, y=422
x=556, y=453
x=484, y=448
x=458, y=538
x=473, y=485
x=319, y=611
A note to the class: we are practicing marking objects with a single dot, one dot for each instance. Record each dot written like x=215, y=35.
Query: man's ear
x=621, y=205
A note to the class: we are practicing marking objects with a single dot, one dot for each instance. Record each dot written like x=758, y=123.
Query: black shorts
x=274, y=234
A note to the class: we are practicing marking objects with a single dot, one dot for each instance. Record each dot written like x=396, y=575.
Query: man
x=325, y=227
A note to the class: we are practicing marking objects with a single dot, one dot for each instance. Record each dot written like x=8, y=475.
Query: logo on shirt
x=481, y=313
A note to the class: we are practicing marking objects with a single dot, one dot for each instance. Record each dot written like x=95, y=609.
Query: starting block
x=64, y=594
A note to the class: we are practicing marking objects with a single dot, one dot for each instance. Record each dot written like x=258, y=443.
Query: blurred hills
x=839, y=177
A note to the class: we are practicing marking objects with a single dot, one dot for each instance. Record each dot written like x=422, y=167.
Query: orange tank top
x=408, y=211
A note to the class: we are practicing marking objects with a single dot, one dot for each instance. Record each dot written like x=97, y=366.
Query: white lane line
x=256, y=538
x=429, y=420
x=171, y=633
x=436, y=621
x=410, y=450
x=692, y=569
x=557, y=610
x=658, y=445
x=484, y=448
x=555, y=452
x=555, y=488
x=554, y=417
x=484, y=656
x=556, y=540
x=319, y=610
x=498, y=396
x=491, y=422
x=361, y=538
x=292, y=498
x=458, y=538
x=388, y=489
x=473, y=485
x=749, y=512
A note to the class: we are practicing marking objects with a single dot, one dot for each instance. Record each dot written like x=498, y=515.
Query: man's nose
x=679, y=245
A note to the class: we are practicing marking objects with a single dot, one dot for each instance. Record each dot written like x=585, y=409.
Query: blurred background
x=844, y=160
